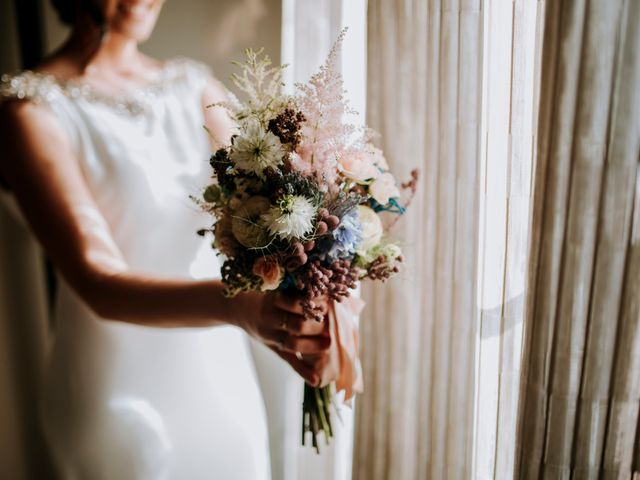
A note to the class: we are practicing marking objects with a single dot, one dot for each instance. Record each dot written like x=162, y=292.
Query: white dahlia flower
x=291, y=219
x=371, y=228
x=256, y=149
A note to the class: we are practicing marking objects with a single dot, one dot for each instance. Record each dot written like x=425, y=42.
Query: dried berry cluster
x=327, y=222
x=381, y=269
x=221, y=165
x=297, y=256
x=413, y=182
x=286, y=126
x=333, y=281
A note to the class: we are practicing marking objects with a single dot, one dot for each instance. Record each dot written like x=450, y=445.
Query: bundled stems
x=316, y=415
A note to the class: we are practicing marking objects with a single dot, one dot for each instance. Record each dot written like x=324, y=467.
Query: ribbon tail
x=346, y=334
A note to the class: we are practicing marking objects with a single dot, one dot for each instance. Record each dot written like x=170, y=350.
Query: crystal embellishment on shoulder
x=37, y=87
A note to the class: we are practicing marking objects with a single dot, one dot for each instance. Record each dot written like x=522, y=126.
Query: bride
x=149, y=375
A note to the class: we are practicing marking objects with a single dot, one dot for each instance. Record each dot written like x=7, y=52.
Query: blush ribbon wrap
x=342, y=316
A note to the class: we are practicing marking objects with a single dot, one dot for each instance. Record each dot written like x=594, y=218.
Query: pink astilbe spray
x=325, y=134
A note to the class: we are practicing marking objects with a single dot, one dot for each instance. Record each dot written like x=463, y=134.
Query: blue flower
x=346, y=237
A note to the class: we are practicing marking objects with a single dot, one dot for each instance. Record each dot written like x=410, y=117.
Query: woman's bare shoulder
x=22, y=112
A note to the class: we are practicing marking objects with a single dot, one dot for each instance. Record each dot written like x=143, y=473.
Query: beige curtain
x=581, y=391
x=23, y=341
x=23, y=320
x=415, y=419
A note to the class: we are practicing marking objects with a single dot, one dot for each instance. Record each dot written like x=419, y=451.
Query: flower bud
x=321, y=228
x=332, y=222
x=212, y=194
x=298, y=248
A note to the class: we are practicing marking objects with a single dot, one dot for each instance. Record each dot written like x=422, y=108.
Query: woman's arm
x=218, y=122
x=44, y=175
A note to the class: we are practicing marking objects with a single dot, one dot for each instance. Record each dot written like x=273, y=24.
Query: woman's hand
x=307, y=345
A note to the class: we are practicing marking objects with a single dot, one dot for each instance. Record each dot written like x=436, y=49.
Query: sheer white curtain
x=415, y=419
x=453, y=89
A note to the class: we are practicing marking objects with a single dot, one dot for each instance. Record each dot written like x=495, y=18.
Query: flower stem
x=316, y=416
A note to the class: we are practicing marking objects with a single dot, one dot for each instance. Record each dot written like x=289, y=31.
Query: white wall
x=212, y=31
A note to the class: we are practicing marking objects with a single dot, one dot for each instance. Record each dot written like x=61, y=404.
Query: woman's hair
x=68, y=10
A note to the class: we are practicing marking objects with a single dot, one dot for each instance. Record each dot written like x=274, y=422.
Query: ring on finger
x=284, y=323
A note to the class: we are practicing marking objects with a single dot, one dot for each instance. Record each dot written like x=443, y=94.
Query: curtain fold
x=418, y=331
x=454, y=89
x=510, y=85
x=579, y=410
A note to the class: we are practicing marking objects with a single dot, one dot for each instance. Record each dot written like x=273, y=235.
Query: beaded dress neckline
x=42, y=87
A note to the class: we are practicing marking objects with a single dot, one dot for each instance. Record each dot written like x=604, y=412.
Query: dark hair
x=68, y=10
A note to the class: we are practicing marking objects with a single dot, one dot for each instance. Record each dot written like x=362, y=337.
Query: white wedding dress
x=128, y=402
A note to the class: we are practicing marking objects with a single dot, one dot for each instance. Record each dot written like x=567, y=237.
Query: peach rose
x=359, y=166
x=270, y=271
x=384, y=188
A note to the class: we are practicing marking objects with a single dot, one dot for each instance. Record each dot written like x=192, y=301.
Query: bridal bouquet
x=297, y=201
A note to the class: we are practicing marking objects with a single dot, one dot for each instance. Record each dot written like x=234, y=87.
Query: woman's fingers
x=321, y=303
x=298, y=325
x=288, y=303
x=305, y=371
x=305, y=344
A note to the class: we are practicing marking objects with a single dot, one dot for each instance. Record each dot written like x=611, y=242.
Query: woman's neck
x=89, y=48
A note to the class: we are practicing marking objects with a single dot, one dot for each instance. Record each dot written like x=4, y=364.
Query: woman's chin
x=134, y=19
x=138, y=31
